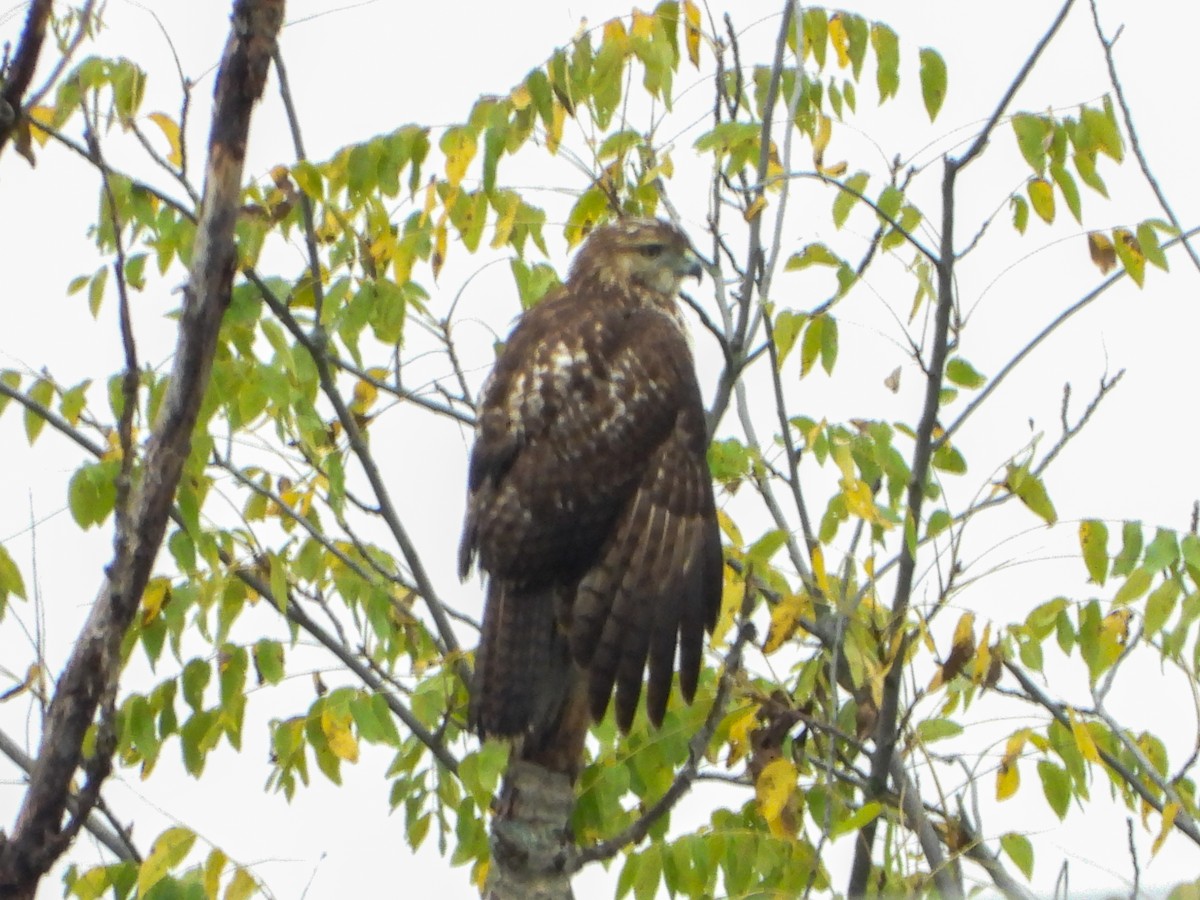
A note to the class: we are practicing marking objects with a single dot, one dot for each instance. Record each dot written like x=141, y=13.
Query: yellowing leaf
x=691, y=31
x=773, y=790
x=739, y=734
x=1093, y=539
x=839, y=39
x=170, y=129
x=242, y=886
x=821, y=135
x=521, y=97
x=157, y=591
x=336, y=726
x=1129, y=251
x=555, y=132
x=365, y=395
x=1170, y=811
x=818, y=564
x=459, y=145
x=1083, y=738
x=785, y=616
x=1041, y=197
x=169, y=850
x=754, y=209
x=1008, y=779
x=40, y=115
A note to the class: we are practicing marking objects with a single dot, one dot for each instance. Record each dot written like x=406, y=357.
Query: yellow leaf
x=840, y=40
x=439, y=248
x=818, y=564
x=785, y=616
x=1100, y=248
x=691, y=31
x=169, y=850
x=643, y=25
x=983, y=656
x=156, y=593
x=479, y=874
x=732, y=593
x=754, y=209
x=170, y=129
x=242, y=885
x=213, y=867
x=1170, y=811
x=773, y=790
x=739, y=734
x=430, y=201
x=365, y=395
x=555, y=133
x=40, y=115
x=1041, y=197
x=459, y=145
x=1008, y=779
x=520, y=97
x=821, y=136
x=1083, y=737
x=342, y=741
x=837, y=170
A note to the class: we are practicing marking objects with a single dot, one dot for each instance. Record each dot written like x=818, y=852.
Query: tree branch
x=91, y=673
x=20, y=73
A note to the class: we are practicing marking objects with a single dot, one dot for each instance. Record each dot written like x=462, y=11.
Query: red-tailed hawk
x=590, y=504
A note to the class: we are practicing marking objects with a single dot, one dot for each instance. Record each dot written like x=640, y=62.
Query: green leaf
x=933, y=81
x=1070, y=191
x=1159, y=606
x=1093, y=540
x=845, y=199
x=1020, y=851
x=168, y=852
x=829, y=344
x=1147, y=238
x=1032, y=492
x=937, y=729
x=1041, y=197
x=939, y=521
x=1020, y=213
x=11, y=581
x=1131, y=549
x=948, y=459
x=1136, y=584
x=268, y=660
x=785, y=331
x=1162, y=552
x=816, y=254
x=887, y=60
x=962, y=373
x=1056, y=785
x=41, y=393
x=1033, y=138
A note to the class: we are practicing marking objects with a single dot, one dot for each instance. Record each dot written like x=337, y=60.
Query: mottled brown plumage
x=590, y=506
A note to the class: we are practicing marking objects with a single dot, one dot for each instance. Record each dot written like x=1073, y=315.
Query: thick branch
x=20, y=73
x=91, y=673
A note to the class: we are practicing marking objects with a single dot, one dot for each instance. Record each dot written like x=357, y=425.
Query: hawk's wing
x=589, y=466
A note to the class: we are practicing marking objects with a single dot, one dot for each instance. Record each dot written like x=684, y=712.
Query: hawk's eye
x=651, y=251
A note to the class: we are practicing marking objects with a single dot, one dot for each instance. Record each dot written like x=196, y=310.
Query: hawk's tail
x=523, y=669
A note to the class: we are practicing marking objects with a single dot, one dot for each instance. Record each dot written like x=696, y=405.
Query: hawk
x=590, y=504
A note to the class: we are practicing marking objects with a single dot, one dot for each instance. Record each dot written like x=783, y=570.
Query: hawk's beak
x=689, y=265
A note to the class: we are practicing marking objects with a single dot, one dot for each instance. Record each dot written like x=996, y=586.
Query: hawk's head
x=647, y=253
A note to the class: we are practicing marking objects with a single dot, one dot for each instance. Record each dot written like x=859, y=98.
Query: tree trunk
x=531, y=835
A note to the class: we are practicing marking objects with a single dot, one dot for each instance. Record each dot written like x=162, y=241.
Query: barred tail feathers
x=522, y=667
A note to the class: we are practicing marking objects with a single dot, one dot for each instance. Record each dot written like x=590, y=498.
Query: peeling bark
x=88, y=684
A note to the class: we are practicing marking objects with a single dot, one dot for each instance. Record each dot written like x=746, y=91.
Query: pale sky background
x=366, y=68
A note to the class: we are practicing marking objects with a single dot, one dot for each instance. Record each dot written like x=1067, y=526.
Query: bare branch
x=981, y=140
x=1134, y=142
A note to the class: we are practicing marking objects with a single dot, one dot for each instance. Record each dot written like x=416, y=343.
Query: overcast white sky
x=365, y=68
